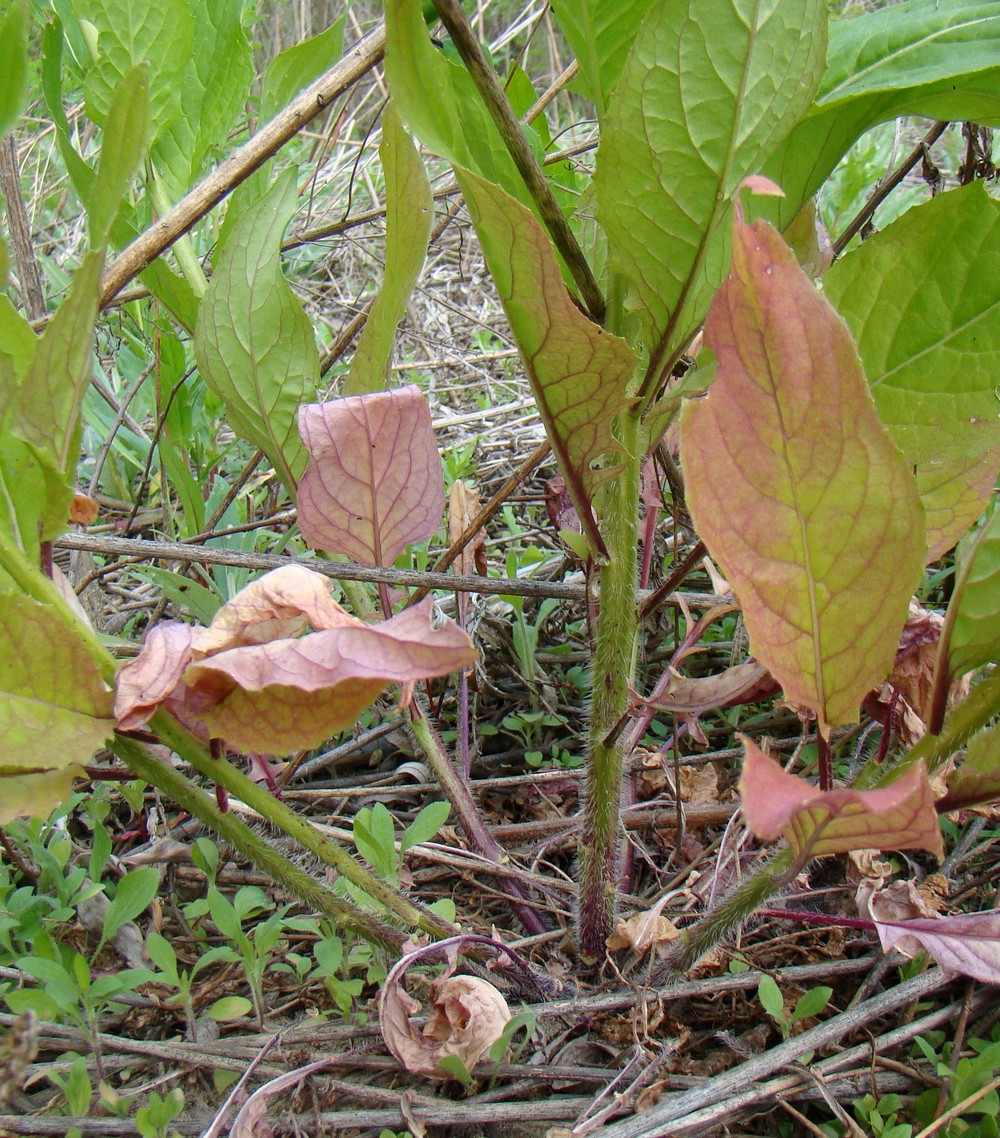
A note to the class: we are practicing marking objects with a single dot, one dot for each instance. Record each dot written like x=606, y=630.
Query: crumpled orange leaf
x=374, y=483
x=290, y=692
x=276, y=606
x=819, y=823
x=467, y=1016
x=796, y=487
x=148, y=680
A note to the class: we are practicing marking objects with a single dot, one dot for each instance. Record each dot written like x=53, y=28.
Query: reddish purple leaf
x=373, y=484
x=968, y=944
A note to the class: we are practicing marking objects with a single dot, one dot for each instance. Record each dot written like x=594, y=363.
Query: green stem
x=279, y=814
x=457, y=792
x=614, y=666
x=189, y=264
x=727, y=917
x=196, y=802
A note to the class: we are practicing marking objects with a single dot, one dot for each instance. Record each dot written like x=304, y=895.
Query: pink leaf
x=278, y=695
x=279, y=604
x=818, y=823
x=373, y=484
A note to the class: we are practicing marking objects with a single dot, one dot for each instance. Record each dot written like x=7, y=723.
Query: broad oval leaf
x=708, y=90
x=374, y=481
x=922, y=299
x=146, y=681
x=254, y=343
x=818, y=823
x=579, y=373
x=13, y=63
x=159, y=34
x=796, y=487
x=55, y=710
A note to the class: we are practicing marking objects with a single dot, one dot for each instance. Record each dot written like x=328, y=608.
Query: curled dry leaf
x=277, y=695
x=467, y=1017
x=83, y=510
x=819, y=823
x=643, y=931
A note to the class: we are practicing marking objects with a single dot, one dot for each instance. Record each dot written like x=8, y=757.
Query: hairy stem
x=280, y=815
x=204, y=807
x=614, y=664
x=727, y=916
x=457, y=792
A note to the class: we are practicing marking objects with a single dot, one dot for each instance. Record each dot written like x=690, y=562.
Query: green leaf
x=579, y=373
x=772, y=1001
x=123, y=147
x=708, y=91
x=17, y=345
x=48, y=410
x=253, y=342
x=159, y=34
x=202, y=603
x=375, y=838
x=134, y=893
x=50, y=690
x=425, y=825
x=213, y=93
x=909, y=45
x=298, y=66
x=971, y=633
x=34, y=495
x=13, y=63
x=439, y=102
x=162, y=954
x=409, y=213
x=229, y=1008
x=796, y=487
x=922, y=299
x=601, y=35
x=950, y=80
x=811, y=1003
x=977, y=780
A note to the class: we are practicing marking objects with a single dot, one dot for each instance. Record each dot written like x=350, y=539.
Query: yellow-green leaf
x=55, y=710
x=796, y=487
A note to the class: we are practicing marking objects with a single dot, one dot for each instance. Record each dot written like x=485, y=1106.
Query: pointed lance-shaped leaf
x=579, y=373
x=254, y=343
x=374, y=483
x=977, y=780
x=971, y=633
x=818, y=823
x=409, y=211
x=797, y=489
